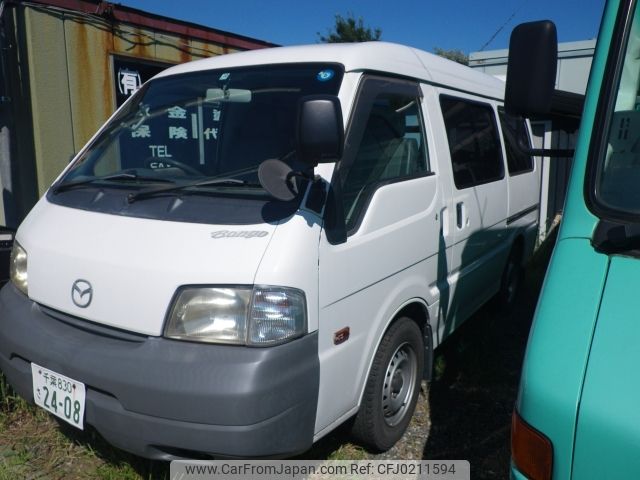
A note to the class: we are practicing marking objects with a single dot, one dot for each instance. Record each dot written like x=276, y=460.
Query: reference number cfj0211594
x=320, y=470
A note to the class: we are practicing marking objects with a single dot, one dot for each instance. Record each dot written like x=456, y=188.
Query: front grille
x=92, y=327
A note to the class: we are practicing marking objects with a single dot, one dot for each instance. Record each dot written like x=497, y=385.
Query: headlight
x=18, y=267
x=277, y=315
x=259, y=316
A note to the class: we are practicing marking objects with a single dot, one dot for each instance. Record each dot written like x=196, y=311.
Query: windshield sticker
x=325, y=75
x=176, y=112
x=225, y=76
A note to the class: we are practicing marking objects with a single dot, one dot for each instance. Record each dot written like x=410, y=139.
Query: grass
x=33, y=444
x=348, y=451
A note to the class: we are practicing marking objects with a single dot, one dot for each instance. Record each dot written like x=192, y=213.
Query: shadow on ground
x=477, y=376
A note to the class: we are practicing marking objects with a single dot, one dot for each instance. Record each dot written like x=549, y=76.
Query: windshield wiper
x=199, y=183
x=61, y=187
x=228, y=179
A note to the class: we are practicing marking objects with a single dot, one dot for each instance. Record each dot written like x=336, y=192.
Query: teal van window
x=617, y=177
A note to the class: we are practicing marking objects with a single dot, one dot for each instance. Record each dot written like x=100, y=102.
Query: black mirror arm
x=543, y=152
x=523, y=147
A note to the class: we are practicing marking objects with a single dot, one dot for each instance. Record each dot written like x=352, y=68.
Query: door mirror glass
x=279, y=179
x=320, y=135
x=531, y=70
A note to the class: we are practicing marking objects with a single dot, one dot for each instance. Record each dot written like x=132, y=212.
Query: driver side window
x=391, y=148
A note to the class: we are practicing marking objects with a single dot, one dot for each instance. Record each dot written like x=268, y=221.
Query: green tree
x=455, y=55
x=349, y=29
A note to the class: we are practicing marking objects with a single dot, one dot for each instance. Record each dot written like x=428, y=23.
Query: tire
x=392, y=388
x=512, y=279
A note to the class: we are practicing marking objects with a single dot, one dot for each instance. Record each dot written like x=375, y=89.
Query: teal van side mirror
x=531, y=69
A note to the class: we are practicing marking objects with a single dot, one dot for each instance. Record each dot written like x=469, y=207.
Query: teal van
x=577, y=415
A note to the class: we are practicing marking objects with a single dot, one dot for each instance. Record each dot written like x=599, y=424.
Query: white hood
x=134, y=265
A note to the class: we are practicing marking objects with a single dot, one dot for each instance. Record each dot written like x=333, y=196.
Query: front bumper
x=162, y=398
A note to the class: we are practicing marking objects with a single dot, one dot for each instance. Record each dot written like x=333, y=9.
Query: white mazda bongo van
x=260, y=246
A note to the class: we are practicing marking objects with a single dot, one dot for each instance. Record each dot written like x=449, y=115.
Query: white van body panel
x=130, y=291
x=291, y=260
x=439, y=158
x=480, y=232
x=359, y=57
x=368, y=56
x=394, y=256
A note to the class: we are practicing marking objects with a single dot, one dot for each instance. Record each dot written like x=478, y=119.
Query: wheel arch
x=418, y=312
x=518, y=245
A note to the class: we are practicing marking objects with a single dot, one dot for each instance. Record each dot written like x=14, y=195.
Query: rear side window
x=473, y=142
x=513, y=128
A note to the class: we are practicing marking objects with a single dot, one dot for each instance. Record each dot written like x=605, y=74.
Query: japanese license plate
x=60, y=395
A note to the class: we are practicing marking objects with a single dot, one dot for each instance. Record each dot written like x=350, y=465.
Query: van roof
x=357, y=57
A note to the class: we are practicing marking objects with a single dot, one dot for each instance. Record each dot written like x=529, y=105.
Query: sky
x=465, y=25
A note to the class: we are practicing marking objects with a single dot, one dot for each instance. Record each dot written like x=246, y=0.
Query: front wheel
x=392, y=388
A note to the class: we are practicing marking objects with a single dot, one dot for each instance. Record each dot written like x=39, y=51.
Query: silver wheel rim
x=399, y=384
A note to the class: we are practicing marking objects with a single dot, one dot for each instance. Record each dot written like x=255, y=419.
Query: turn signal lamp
x=531, y=451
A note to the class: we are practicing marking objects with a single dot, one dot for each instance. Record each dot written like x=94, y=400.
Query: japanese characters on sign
x=129, y=81
x=130, y=74
x=178, y=131
x=185, y=130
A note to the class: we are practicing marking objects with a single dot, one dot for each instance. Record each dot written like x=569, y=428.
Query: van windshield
x=208, y=124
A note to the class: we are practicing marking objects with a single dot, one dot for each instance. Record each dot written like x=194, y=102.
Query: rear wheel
x=392, y=388
x=512, y=278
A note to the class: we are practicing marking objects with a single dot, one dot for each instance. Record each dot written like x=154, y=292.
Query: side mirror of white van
x=320, y=135
x=319, y=139
x=279, y=179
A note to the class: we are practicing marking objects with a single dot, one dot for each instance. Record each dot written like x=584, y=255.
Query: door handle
x=460, y=215
x=444, y=222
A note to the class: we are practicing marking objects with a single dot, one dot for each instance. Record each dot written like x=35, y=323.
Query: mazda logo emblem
x=81, y=293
